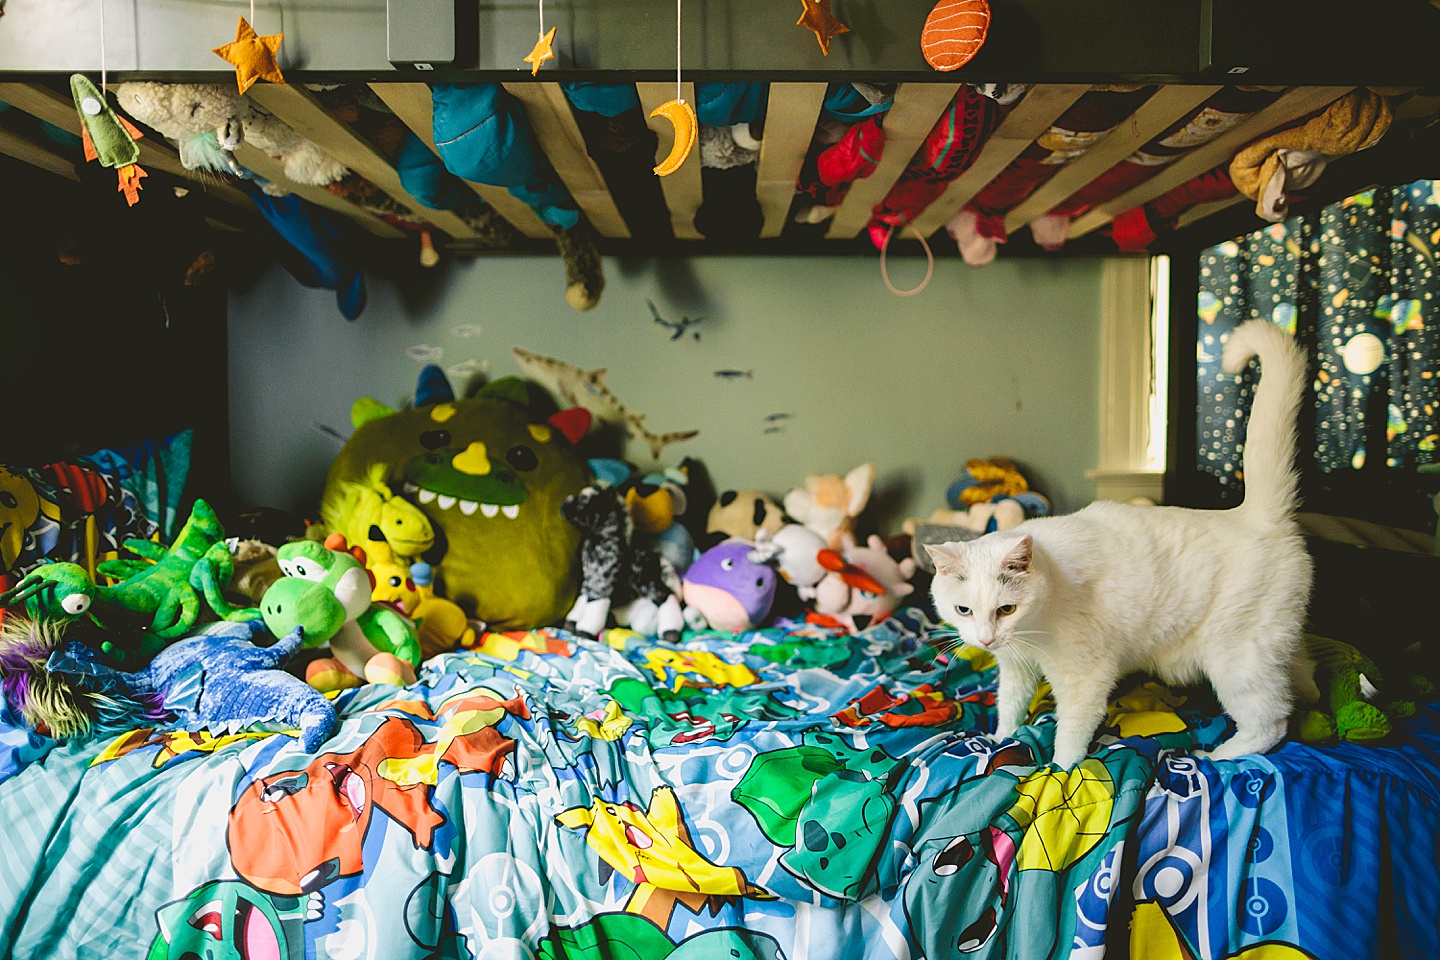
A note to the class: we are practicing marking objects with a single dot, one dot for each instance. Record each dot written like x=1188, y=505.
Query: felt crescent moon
x=682, y=117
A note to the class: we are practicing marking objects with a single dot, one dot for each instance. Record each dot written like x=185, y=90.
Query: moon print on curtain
x=1356, y=282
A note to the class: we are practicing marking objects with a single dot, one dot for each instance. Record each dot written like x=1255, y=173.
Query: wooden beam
x=253, y=158
x=559, y=136
x=308, y=116
x=1031, y=117
x=1168, y=105
x=1202, y=210
x=790, y=118
x=57, y=109
x=412, y=104
x=1292, y=105
x=907, y=123
x=682, y=190
x=27, y=151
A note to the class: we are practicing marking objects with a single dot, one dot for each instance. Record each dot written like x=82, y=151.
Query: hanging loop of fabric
x=929, y=263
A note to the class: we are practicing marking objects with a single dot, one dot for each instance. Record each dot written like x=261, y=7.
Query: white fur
x=1183, y=594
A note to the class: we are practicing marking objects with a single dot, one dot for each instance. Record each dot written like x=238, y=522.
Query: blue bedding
x=784, y=793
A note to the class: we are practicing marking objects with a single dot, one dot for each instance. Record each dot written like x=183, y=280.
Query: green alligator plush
x=1354, y=706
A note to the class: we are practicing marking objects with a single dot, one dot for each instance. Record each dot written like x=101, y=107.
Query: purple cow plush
x=731, y=586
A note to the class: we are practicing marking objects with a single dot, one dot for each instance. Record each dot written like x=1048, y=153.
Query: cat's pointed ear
x=946, y=559
x=1017, y=561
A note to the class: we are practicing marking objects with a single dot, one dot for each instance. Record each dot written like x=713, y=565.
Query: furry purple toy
x=730, y=587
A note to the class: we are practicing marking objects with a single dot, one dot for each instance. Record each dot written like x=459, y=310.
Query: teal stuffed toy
x=326, y=591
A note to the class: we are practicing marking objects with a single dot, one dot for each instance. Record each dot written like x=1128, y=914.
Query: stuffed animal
x=730, y=587
x=1004, y=514
x=829, y=504
x=490, y=478
x=798, y=560
x=1353, y=704
x=326, y=591
x=390, y=529
x=864, y=584
x=440, y=623
x=218, y=680
x=656, y=503
x=154, y=594
x=208, y=121
x=741, y=514
x=612, y=564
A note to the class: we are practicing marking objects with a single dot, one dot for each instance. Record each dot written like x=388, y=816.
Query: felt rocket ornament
x=107, y=136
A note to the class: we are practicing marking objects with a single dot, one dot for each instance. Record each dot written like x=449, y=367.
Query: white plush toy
x=208, y=121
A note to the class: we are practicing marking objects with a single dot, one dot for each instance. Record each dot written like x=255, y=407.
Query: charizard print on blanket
x=782, y=794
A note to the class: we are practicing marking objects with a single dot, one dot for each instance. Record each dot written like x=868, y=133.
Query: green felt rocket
x=108, y=136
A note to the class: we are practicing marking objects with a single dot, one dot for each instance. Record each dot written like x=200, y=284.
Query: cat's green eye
x=1006, y=610
x=963, y=611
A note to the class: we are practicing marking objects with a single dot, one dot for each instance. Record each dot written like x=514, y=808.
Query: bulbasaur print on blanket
x=788, y=793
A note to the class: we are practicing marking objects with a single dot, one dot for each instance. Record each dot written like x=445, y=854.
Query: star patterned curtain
x=1357, y=284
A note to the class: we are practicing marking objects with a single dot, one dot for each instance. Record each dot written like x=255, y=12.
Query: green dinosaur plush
x=157, y=587
x=490, y=479
x=327, y=592
x=1352, y=707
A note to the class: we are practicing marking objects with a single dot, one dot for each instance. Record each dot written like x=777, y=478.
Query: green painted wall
x=1002, y=360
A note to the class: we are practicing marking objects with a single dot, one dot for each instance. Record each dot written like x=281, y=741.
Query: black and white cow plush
x=612, y=566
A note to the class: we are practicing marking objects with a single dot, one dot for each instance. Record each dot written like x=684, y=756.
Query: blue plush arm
x=282, y=649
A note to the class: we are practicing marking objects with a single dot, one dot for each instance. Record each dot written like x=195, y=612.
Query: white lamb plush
x=208, y=121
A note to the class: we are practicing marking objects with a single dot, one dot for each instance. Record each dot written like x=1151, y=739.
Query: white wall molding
x=1126, y=375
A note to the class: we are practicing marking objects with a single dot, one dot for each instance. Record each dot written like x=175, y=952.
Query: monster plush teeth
x=108, y=137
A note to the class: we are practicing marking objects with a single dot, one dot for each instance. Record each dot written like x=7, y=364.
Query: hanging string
x=542, y=16
x=102, y=48
x=677, y=51
x=929, y=263
x=252, y=13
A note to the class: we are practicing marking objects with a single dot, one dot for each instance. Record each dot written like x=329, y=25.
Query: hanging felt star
x=818, y=18
x=253, y=56
x=542, y=52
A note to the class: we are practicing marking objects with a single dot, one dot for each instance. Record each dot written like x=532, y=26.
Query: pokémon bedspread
x=780, y=794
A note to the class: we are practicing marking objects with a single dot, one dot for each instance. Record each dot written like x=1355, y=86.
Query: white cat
x=1115, y=588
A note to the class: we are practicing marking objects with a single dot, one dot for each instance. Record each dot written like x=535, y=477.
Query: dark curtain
x=1356, y=283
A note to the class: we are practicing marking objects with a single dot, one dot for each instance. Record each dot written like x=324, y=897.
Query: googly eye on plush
x=75, y=604
x=727, y=564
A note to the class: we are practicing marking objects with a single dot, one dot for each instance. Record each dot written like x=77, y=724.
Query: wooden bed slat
x=1031, y=117
x=908, y=121
x=1199, y=212
x=790, y=118
x=27, y=151
x=559, y=136
x=57, y=109
x=271, y=169
x=299, y=108
x=1294, y=104
x=682, y=189
x=1168, y=105
x=411, y=103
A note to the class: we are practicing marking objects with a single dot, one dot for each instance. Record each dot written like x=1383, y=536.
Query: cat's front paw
x=1067, y=760
x=1004, y=731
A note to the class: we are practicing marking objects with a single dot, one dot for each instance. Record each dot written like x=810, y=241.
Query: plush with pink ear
x=829, y=504
x=865, y=584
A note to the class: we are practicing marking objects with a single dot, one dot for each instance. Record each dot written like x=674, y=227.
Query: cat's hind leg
x=1257, y=696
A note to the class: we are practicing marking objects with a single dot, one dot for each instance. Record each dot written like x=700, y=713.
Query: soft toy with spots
x=741, y=514
x=490, y=477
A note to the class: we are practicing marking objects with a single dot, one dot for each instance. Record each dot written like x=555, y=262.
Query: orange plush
x=954, y=32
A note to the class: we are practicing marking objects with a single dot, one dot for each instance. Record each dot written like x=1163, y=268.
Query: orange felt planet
x=954, y=32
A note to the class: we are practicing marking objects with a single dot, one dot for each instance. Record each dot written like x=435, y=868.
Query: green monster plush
x=161, y=587
x=1350, y=687
x=327, y=592
x=490, y=479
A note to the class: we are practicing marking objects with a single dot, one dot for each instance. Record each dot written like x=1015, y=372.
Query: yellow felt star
x=818, y=18
x=542, y=52
x=253, y=56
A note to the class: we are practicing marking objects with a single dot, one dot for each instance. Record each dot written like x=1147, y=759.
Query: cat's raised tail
x=1271, y=482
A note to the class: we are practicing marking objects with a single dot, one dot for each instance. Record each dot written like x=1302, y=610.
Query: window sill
x=1127, y=485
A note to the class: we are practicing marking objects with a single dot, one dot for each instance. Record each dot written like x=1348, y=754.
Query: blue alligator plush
x=218, y=679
